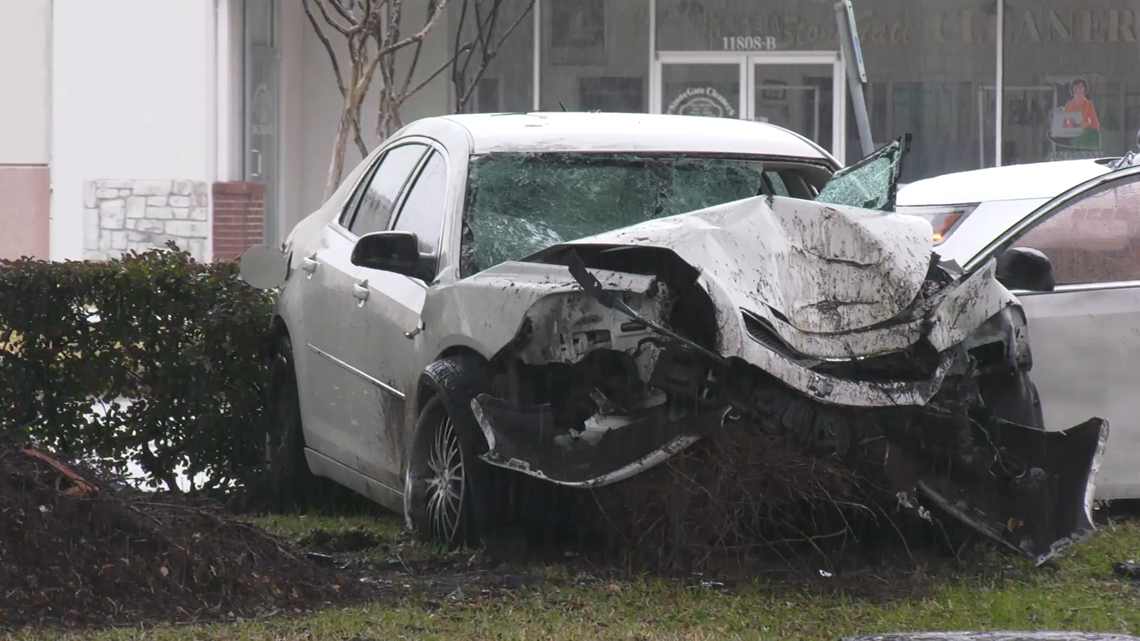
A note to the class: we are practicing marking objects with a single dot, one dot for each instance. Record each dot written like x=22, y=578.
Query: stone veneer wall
x=137, y=215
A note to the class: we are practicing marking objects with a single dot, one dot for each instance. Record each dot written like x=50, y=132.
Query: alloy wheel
x=446, y=482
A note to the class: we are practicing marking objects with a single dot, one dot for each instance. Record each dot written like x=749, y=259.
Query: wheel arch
x=425, y=390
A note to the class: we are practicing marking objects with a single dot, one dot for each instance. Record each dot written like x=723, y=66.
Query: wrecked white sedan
x=579, y=297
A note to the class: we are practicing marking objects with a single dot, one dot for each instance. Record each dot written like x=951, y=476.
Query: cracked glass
x=520, y=204
x=871, y=183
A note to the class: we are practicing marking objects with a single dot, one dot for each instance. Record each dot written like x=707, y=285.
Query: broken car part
x=832, y=326
x=871, y=183
x=594, y=288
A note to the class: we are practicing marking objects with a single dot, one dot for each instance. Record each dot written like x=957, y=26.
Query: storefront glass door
x=799, y=90
x=262, y=90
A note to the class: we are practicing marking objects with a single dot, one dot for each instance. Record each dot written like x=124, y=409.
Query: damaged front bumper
x=526, y=440
x=653, y=393
x=1043, y=509
x=1025, y=488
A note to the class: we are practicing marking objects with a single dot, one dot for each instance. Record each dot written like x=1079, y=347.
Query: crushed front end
x=649, y=354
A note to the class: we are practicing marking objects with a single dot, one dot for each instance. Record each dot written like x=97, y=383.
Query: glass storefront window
x=595, y=55
x=709, y=90
x=1071, y=82
x=927, y=62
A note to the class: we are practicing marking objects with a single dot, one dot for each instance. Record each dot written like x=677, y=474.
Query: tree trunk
x=340, y=143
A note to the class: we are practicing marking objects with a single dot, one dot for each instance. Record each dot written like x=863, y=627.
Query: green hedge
x=181, y=340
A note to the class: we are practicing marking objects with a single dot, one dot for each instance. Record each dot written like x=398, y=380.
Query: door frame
x=747, y=61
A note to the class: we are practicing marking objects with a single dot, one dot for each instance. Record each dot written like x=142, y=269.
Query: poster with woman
x=1074, y=125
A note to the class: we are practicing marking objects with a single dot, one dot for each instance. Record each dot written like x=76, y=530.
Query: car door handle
x=309, y=264
x=360, y=291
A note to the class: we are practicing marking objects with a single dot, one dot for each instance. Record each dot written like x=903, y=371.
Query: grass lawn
x=1074, y=592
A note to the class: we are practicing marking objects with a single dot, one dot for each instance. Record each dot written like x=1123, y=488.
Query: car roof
x=624, y=132
x=1012, y=182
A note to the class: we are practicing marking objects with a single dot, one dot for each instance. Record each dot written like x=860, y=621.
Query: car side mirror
x=1025, y=268
x=390, y=251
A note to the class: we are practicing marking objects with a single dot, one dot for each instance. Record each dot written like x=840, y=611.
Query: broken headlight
x=943, y=218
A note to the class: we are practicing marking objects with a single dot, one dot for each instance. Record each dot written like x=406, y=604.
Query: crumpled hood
x=825, y=268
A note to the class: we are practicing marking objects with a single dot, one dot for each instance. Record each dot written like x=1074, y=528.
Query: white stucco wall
x=134, y=98
x=25, y=82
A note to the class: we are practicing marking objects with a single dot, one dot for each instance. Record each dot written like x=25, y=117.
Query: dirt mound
x=80, y=550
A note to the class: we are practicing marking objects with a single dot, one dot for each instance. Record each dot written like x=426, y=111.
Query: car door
x=334, y=321
x=388, y=345
x=1085, y=335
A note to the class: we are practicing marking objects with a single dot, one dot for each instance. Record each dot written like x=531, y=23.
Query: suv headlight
x=943, y=218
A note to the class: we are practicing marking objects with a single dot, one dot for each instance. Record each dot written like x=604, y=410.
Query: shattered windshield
x=871, y=183
x=521, y=203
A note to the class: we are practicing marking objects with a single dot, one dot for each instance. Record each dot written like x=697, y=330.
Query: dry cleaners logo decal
x=702, y=101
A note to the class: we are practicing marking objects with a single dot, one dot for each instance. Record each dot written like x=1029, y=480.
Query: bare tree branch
x=366, y=78
x=423, y=83
x=372, y=12
x=348, y=91
x=412, y=68
x=344, y=11
x=480, y=36
x=360, y=144
x=422, y=33
x=329, y=19
x=485, y=28
x=478, y=39
x=464, y=93
x=512, y=28
x=328, y=45
x=456, y=81
x=372, y=32
x=493, y=17
x=432, y=12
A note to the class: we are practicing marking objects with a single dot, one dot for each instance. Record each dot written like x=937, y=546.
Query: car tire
x=1013, y=397
x=448, y=489
x=290, y=477
x=501, y=509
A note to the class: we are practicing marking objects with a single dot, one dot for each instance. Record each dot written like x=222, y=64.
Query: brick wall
x=25, y=210
x=238, y=218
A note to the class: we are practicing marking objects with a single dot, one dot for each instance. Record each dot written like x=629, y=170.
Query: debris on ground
x=737, y=496
x=77, y=549
x=520, y=581
x=348, y=540
x=1128, y=569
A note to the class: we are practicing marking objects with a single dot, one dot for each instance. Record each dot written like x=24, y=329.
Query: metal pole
x=654, y=86
x=999, y=82
x=536, y=70
x=855, y=79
